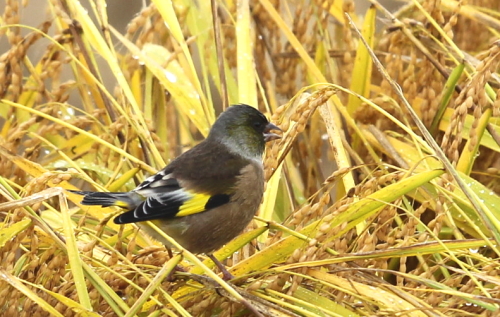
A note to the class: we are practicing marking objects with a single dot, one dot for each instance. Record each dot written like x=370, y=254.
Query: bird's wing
x=173, y=192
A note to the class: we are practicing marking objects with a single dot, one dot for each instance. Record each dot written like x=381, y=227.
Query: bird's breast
x=249, y=186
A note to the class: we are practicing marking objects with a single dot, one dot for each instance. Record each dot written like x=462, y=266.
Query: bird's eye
x=257, y=124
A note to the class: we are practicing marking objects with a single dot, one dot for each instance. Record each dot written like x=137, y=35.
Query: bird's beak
x=268, y=135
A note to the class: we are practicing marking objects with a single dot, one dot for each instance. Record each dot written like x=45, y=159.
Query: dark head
x=244, y=130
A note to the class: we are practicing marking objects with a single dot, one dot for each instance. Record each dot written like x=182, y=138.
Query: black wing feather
x=220, y=171
x=152, y=209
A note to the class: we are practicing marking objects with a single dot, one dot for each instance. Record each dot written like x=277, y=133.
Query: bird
x=209, y=194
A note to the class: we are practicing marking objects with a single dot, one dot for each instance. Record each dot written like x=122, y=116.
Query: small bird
x=206, y=196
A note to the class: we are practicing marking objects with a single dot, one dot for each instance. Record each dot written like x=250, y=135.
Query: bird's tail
x=126, y=200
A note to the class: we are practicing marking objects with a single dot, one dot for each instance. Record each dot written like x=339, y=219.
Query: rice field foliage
x=382, y=197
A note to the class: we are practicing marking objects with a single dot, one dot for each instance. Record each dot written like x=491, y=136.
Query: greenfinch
x=206, y=196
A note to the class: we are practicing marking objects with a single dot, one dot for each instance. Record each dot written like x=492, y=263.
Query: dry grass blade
x=485, y=213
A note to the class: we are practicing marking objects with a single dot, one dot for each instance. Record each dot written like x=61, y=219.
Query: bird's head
x=244, y=130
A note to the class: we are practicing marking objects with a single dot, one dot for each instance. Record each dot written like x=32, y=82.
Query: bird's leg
x=169, y=251
x=178, y=268
x=226, y=276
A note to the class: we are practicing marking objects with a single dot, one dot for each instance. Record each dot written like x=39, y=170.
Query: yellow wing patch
x=194, y=205
x=122, y=204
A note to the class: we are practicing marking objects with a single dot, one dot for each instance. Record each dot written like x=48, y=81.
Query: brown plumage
x=208, y=231
x=208, y=195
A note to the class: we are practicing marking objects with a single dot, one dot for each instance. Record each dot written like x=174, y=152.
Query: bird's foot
x=171, y=277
